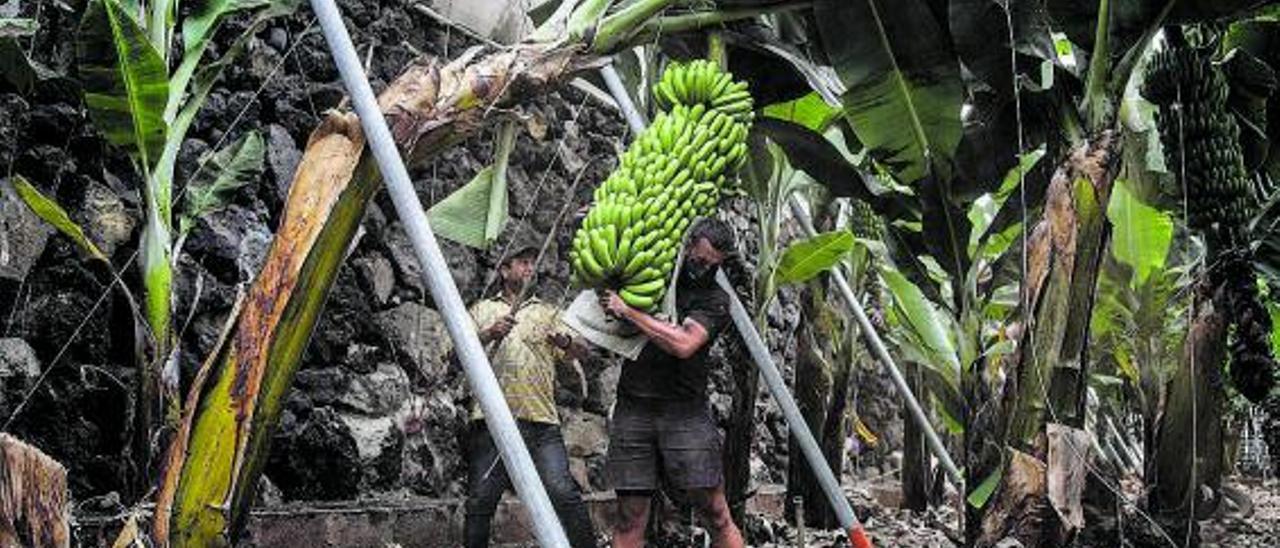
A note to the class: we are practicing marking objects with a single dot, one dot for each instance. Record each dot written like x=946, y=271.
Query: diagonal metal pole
x=795, y=420
x=882, y=355
x=502, y=425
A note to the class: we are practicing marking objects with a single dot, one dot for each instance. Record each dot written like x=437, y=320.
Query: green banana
x=670, y=175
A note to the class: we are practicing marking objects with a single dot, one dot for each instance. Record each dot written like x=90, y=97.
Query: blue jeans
x=487, y=480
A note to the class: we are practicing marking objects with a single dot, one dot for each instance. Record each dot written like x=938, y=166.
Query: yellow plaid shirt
x=525, y=361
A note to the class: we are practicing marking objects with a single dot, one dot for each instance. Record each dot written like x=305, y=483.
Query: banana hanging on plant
x=1200, y=137
x=671, y=174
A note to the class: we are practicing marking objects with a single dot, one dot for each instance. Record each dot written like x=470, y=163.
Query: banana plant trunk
x=812, y=396
x=915, y=456
x=1046, y=387
x=837, y=426
x=215, y=460
x=1186, y=453
x=740, y=433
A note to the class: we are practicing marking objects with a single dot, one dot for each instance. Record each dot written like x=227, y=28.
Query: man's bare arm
x=681, y=341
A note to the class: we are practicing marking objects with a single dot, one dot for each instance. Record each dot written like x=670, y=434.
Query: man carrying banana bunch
x=662, y=425
x=530, y=341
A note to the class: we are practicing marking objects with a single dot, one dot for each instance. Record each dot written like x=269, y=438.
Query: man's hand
x=499, y=329
x=560, y=340
x=613, y=305
x=574, y=348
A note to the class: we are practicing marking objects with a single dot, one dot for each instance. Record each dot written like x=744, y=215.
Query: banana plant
x=953, y=344
x=828, y=349
x=143, y=102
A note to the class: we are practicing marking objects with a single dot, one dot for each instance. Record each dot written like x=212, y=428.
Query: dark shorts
x=650, y=440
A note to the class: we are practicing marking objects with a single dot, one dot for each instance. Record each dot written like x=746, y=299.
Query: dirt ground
x=1258, y=528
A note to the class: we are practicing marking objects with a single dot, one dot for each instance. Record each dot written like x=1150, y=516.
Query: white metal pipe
x=791, y=412
x=435, y=271
x=882, y=354
x=611, y=79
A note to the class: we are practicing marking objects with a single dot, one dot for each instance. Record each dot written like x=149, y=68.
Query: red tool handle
x=858, y=538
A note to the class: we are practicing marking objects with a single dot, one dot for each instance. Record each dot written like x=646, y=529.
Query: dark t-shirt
x=655, y=374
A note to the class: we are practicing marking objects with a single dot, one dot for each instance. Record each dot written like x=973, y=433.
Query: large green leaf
x=125, y=81
x=225, y=171
x=804, y=259
x=1140, y=235
x=809, y=111
x=980, y=29
x=904, y=88
x=475, y=214
x=812, y=153
x=923, y=318
x=463, y=216
x=52, y=213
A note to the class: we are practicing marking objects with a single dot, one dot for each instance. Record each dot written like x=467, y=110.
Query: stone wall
x=377, y=409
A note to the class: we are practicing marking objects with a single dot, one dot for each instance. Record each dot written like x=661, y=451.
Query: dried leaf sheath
x=33, y=495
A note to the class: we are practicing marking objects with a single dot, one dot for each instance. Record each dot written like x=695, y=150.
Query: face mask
x=696, y=269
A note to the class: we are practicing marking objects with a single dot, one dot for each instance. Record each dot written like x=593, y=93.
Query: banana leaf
x=475, y=214
x=124, y=79
x=227, y=170
x=1140, y=234
x=903, y=79
x=53, y=213
x=810, y=111
x=807, y=258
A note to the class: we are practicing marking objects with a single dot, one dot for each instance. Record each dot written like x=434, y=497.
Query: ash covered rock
x=22, y=235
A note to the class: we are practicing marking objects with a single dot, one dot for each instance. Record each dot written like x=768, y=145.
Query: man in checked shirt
x=529, y=345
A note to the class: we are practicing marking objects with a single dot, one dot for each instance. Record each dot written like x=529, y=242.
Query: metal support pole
x=611, y=80
x=882, y=354
x=791, y=412
x=502, y=425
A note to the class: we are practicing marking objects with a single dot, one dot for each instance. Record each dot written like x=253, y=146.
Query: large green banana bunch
x=1192, y=95
x=671, y=174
